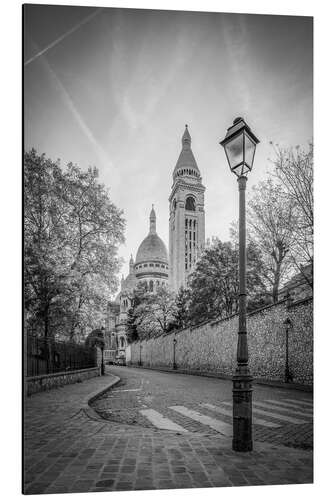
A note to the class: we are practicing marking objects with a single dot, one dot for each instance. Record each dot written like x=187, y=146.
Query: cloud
x=154, y=90
x=234, y=33
x=100, y=152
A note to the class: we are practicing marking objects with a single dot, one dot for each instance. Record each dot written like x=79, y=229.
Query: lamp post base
x=242, y=411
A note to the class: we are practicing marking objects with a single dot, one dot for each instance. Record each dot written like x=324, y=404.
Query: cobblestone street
x=69, y=448
x=284, y=416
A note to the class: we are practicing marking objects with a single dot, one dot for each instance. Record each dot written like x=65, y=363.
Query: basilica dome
x=152, y=249
x=151, y=261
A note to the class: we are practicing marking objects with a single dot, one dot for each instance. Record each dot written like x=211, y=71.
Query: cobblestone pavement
x=69, y=449
x=140, y=389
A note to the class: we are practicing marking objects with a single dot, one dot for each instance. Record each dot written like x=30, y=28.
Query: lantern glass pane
x=249, y=147
x=246, y=169
x=234, y=151
x=238, y=170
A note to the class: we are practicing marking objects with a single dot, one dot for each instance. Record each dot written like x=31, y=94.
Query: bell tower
x=187, y=216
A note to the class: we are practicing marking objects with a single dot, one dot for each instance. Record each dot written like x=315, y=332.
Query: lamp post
x=103, y=364
x=102, y=349
x=174, y=353
x=240, y=145
x=287, y=374
x=140, y=362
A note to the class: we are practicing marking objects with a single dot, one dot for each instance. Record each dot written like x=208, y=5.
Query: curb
x=284, y=385
x=88, y=400
x=184, y=372
x=223, y=376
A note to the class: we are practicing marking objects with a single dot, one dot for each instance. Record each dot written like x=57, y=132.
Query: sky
x=114, y=88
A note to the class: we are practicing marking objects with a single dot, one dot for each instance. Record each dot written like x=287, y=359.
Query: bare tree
x=294, y=170
x=271, y=226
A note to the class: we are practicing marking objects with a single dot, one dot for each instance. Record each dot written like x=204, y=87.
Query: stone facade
x=187, y=216
x=211, y=347
x=153, y=265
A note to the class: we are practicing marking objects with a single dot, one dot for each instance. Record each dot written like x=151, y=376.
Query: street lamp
x=287, y=375
x=240, y=145
x=140, y=362
x=102, y=349
x=174, y=353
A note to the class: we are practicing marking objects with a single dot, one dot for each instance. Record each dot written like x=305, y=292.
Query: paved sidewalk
x=68, y=448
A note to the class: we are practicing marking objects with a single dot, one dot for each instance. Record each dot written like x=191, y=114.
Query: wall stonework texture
x=211, y=347
x=53, y=380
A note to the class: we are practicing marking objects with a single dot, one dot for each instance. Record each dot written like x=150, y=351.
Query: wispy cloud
x=234, y=33
x=62, y=37
x=155, y=90
x=68, y=101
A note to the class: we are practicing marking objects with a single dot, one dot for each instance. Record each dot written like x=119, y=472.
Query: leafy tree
x=95, y=228
x=155, y=312
x=182, y=313
x=72, y=232
x=132, y=331
x=46, y=259
x=96, y=338
x=213, y=285
x=271, y=222
x=133, y=317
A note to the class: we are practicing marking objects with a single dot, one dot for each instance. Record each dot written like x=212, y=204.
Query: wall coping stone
x=59, y=374
x=300, y=302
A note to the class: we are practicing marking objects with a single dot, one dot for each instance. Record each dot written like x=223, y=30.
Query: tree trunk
x=275, y=292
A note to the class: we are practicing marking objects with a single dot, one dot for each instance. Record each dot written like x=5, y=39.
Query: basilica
x=154, y=265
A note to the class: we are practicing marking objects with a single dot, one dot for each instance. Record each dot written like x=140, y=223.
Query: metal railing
x=46, y=355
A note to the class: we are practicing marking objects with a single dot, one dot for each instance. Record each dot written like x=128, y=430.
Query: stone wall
x=53, y=380
x=211, y=347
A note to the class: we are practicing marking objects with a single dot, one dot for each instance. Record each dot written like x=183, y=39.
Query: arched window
x=151, y=286
x=190, y=203
x=122, y=342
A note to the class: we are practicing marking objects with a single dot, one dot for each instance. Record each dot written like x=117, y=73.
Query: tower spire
x=186, y=164
x=152, y=221
x=186, y=139
x=131, y=265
